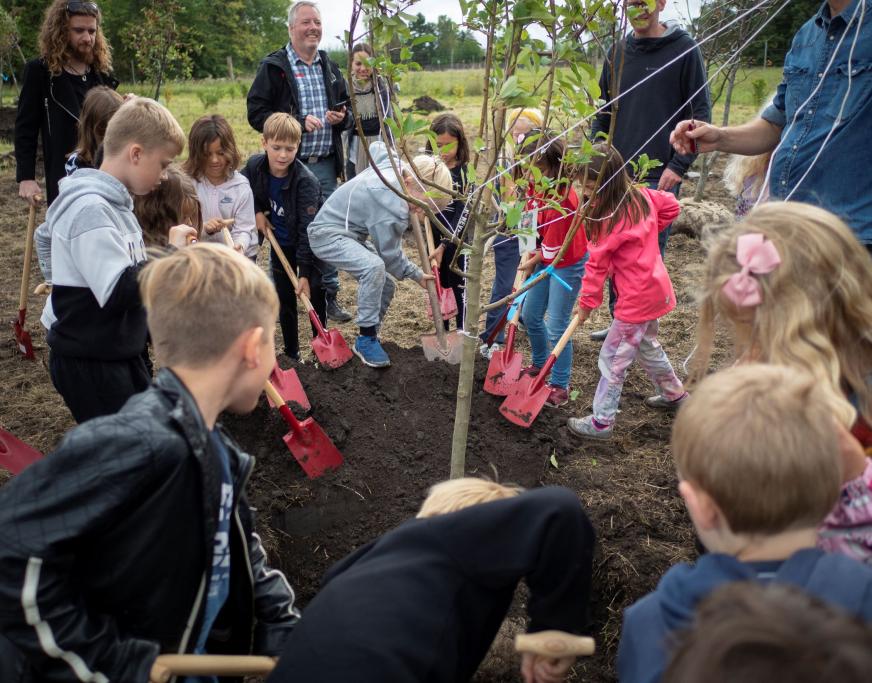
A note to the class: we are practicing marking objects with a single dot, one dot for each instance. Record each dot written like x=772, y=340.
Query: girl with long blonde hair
x=794, y=287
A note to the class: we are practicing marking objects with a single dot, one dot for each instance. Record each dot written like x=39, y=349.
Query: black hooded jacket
x=106, y=548
x=48, y=107
x=275, y=89
x=675, y=93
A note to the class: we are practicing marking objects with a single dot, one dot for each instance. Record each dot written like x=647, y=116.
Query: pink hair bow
x=757, y=256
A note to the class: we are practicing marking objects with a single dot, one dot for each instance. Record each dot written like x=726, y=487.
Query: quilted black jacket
x=106, y=548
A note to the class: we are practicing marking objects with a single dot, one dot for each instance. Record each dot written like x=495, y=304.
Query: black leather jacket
x=47, y=107
x=275, y=89
x=106, y=548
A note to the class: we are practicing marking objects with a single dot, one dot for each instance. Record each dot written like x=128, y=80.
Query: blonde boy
x=94, y=316
x=287, y=196
x=130, y=539
x=425, y=601
x=757, y=453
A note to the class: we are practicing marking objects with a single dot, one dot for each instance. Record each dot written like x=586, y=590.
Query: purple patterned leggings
x=624, y=343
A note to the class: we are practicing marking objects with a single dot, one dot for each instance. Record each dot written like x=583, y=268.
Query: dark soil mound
x=394, y=428
x=426, y=104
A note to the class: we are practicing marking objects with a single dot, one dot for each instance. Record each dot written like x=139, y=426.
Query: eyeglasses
x=79, y=7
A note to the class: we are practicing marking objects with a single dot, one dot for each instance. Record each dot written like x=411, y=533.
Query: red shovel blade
x=503, y=372
x=313, y=449
x=447, y=305
x=331, y=350
x=22, y=336
x=288, y=384
x=524, y=405
x=15, y=455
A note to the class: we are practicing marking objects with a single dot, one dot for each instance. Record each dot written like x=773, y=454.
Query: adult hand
x=583, y=313
x=313, y=123
x=706, y=135
x=261, y=221
x=668, y=180
x=29, y=190
x=538, y=669
x=335, y=117
x=303, y=287
x=422, y=283
x=182, y=235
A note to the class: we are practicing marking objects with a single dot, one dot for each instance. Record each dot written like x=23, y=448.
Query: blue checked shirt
x=841, y=178
x=313, y=100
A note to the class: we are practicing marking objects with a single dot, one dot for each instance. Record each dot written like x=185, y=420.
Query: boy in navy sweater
x=758, y=455
x=287, y=196
x=94, y=316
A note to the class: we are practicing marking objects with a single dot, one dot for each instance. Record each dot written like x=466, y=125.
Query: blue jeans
x=662, y=238
x=325, y=171
x=506, y=259
x=550, y=297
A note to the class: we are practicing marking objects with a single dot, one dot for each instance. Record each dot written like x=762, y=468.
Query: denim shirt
x=841, y=178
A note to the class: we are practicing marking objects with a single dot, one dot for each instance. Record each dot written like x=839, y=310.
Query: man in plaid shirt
x=303, y=81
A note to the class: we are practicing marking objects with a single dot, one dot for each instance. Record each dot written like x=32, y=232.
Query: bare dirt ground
x=393, y=429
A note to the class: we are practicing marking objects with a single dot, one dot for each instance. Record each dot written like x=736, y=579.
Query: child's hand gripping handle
x=554, y=644
x=167, y=666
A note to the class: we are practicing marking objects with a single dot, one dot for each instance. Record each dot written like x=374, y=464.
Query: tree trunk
x=709, y=159
x=466, y=376
x=230, y=74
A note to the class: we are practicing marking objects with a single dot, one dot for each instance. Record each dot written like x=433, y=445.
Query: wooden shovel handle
x=431, y=284
x=28, y=255
x=287, y=266
x=228, y=240
x=554, y=644
x=428, y=233
x=167, y=666
x=519, y=278
x=564, y=339
x=273, y=394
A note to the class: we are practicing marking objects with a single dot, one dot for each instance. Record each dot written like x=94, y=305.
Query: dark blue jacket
x=643, y=652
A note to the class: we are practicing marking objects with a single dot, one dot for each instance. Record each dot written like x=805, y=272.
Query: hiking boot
x=600, y=335
x=371, y=352
x=530, y=371
x=335, y=312
x=660, y=402
x=586, y=427
x=559, y=396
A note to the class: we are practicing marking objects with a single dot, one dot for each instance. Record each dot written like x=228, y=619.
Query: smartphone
x=338, y=106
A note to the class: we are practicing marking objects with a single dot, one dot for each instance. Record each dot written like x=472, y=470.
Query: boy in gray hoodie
x=94, y=316
x=359, y=229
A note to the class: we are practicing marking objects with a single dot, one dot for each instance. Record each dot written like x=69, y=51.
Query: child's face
x=148, y=167
x=281, y=154
x=447, y=145
x=589, y=192
x=216, y=162
x=359, y=68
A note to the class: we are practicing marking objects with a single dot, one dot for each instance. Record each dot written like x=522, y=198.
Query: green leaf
x=429, y=38
x=513, y=215
x=553, y=460
x=593, y=462
x=573, y=394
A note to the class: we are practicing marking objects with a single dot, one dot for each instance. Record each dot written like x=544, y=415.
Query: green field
x=459, y=90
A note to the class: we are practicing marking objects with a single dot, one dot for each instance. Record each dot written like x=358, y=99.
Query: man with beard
x=301, y=80
x=74, y=57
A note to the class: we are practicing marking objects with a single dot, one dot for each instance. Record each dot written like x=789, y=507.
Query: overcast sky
x=335, y=14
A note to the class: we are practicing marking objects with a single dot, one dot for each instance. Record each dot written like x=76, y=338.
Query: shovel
x=15, y=455
x=441, y=346
x=447, y=300
x=306, y=441
x=329, y=345
x=504, y=369
x=288, y=384
x=167, y=666
x=555, y=644
x=524, y=405
x=22, y=336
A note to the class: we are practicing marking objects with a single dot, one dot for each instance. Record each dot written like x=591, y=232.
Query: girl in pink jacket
x=622, y=228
